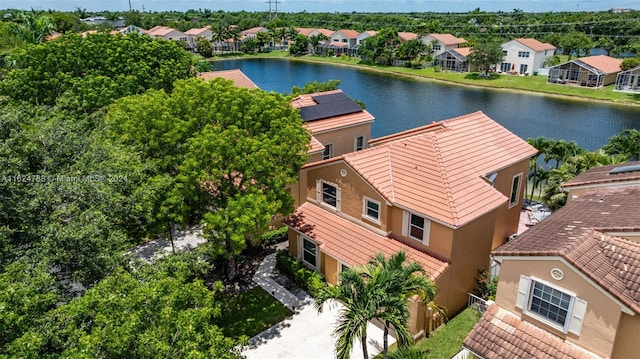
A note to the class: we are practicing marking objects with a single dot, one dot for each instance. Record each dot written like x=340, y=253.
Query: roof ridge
x=445, y=180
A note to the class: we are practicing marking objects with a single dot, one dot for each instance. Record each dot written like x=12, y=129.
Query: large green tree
x=90, y=72
x=486, y=55
x=626, y=143
x=225, y=156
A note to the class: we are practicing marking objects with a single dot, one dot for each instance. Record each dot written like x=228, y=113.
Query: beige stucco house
x=446, y=193
x=591, y=71
x=167, y=33
x=569, y=287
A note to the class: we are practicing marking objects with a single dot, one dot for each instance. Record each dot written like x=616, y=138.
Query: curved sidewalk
x=307, y=333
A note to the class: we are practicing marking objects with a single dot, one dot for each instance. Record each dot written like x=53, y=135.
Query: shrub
x=307, y=279
x=487, y=286
x=275, y=236
x=437, y=68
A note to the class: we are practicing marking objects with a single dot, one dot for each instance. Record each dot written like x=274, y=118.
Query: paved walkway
x=307, y=333
x=152, y=250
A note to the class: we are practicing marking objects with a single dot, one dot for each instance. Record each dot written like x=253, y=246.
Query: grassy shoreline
x=534, y=85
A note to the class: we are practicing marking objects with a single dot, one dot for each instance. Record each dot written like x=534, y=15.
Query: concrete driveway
x=309, y=335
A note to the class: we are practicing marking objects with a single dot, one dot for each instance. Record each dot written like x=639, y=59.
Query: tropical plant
x=32, y=28
x=486, y=55
x=626, y=143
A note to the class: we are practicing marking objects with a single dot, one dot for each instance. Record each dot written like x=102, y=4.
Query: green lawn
x=250, y=313
x=523, y=83
x=446, y=341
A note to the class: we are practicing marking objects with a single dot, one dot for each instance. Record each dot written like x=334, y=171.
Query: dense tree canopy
x=90, y=72
x=485, y=55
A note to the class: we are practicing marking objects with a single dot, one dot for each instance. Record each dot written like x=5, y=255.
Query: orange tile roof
x=464, y=51
x=316, y=146
x=536, y=45
x=159, y=30
x=604, y=63
x=325, y=32
x=304, y=31
x=237, y=76
x=196, y=32
x=351, y=34
x=406, y=36
x=448, y=39
x=352, y=243
x=333, y=123
x=600, y=175
x=437, y=170
x=370, y=32
x=500, y=334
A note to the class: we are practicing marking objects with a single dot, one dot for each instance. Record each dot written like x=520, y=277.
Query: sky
x=326, y=5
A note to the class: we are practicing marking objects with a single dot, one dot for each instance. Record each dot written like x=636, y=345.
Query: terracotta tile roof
x=253, y=30
x=577, y=233
x=333, y=123
x=238, y=77
x=351, y=34
x=316, y=146
x=448, y=39
x=196, y=32
x=604, y=63
x=304, y=31
x=370, y=32
x=437, y=170
x=463, y=51
x=325, y=32
x=500, y=334
x=159, y=30
x=536, y=45
x=601, y=175
x=351, y=242
x=406, y=36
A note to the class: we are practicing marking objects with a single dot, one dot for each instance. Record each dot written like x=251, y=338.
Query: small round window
x=557, y=273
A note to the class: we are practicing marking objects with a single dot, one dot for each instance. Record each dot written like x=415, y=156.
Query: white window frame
x=523, y=54
x=406, y=227
x=437, y=47
x=575, y=312
x=516, y=201
x=302, y=250
x=355, y=143
x=320, y=194
x=365, y=207
x=328, y=151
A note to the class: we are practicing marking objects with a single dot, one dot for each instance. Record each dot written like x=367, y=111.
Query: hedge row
x=305, y=278
x=275, y=236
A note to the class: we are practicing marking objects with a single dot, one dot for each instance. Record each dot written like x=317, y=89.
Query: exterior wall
x=361, y=37
x=293, y=243
x=440, y=236
x=626, y=344
x=176, y=36
x=329, y=269
x=427, y=41
x=469, y=253
x=508, y=218
x=342, y=139
x=352, y=191
x=602, y=317
x=534, y=61
x=339, y=37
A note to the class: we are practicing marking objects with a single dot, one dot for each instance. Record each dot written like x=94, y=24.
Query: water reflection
x=400, y=103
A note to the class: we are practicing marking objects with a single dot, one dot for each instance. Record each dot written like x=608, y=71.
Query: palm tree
x=360, y=300
x=32, y=28
x=401, y=282
x=542, y=145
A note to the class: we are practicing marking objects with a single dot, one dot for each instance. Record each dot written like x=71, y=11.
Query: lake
x=400, y=103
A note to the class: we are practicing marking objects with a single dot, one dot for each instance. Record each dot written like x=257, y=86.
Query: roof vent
x=625, y=169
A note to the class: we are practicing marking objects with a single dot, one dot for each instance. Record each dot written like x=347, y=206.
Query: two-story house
x=363, y=35
x=193, y=34
x=442, y=42
x=569, y=287
x=525, y=56
x=446, y=193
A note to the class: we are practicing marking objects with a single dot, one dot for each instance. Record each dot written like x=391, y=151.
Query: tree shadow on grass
x=481, y=76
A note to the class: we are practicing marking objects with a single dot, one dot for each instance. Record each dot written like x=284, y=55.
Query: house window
x=344, y=40
x=309, y=255
x=505, y=67
x=416, y=227
x=504, y=52
x=328, y=152
x=358, y=143
x=437, y=47
x=371, y=209
x=523, y=54
x=523, y=68
x=329, y=194
x=552, y=305
x=514, y=198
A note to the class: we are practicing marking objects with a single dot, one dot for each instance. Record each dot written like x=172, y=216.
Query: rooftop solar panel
x=331, y=105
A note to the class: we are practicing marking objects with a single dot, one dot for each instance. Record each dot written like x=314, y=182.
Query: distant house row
x=523, y=56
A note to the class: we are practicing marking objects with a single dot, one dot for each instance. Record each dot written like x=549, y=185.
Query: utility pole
x=276, y=1
x=269, y=2
x=129, y=5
